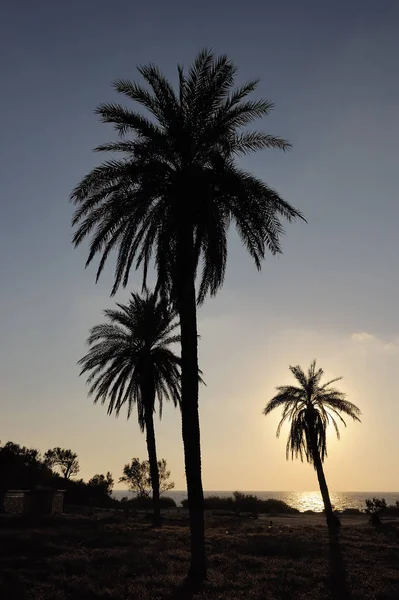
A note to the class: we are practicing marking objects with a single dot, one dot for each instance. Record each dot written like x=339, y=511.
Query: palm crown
x=131, y=346
x=310, y=407
x=179, y=175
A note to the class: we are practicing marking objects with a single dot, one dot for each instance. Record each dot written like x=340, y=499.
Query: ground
x=104, y=557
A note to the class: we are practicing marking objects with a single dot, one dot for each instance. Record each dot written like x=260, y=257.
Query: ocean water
x=300, y=500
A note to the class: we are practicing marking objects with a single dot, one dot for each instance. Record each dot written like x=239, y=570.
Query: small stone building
x=39, y=502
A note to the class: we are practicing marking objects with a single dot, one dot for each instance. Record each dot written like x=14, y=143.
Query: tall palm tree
x=311, y=407
x=131, y=363
x=171, y=199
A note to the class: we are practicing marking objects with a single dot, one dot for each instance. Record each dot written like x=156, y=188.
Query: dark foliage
x=309, y=408
x=137, y=476
x=145, y=502
x=169, y=203
x=375, y=505
x=178, y=152
x=246, y=503
x=81, y=493
x=63, y=459
x=351, y=511
x=131, y=363
x=23, y=469
x=107, y=558
x=102, y=482
x=132, y=347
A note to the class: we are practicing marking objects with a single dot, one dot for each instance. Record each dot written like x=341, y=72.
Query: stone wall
x=13, y=503
x=58, y=502
x=38, y=502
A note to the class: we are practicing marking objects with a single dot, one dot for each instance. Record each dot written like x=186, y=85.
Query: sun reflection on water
x=309, y=501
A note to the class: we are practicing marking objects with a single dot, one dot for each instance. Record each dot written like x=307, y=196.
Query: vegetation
x=377, y=508
x=137, y=476
x=310, y=408
x=109, y=558
x=145, y=502
x=65, y=460
x=173, y=196
x=246, y=503
x=106, y=482
x=131, y=363
x=24, y=468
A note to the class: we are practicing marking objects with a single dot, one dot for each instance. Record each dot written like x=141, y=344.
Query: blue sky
x=331, y=69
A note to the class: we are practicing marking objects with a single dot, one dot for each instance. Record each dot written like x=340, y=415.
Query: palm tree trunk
x=187, y=309
x=332, y=520
x=154, y=473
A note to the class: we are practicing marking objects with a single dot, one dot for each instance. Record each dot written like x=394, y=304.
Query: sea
x=301, y=500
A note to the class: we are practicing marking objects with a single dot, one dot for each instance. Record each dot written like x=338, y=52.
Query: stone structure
x=36, y=502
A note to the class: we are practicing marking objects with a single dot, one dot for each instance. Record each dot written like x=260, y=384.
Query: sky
x=331, y=69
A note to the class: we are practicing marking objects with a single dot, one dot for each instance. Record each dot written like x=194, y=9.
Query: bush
x=167, y=502
x=84, y=494
x=253, y=504
x=392, y=510
x=374, y=508
x=219, y=503
x=351, y=511
x=145, y=502
x=277, y=506
x=245, y=503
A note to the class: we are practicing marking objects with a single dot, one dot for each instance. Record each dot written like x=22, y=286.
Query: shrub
x=374, y=508
x=273, y=505
x=351, y=511
x=145, y=502
x=245, y=503
x=219, y=503
x=250, y=503
x=392, y=510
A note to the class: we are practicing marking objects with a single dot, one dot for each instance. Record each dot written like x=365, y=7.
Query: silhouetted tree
x=23, y=468
x=310, y=407
x=105, y=482
x=172, y=197
x=375, y=507
x=137, y=476
x=65, y=460
x=131, y=363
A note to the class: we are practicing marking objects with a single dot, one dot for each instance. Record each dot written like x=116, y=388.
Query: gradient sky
x=332, y=70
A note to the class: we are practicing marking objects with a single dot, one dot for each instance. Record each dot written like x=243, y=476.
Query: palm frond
x=310, y=408
x=186, y=139
x=133, y=343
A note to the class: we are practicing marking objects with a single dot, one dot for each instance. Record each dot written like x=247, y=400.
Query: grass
x=104, y=557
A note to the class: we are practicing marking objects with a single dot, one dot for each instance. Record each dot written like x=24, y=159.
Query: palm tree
x=169, y=202
x=131, y=363
x=311, y=407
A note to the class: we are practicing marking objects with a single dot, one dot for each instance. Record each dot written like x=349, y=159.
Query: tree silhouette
x=137, y=476
x=131, y=363
x=103, y=482
x=65, y=460
x=171, y=199
x=311, y=407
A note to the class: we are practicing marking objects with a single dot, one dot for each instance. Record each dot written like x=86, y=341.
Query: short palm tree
x=171, y=198
x=131, y=363
x=311, y=407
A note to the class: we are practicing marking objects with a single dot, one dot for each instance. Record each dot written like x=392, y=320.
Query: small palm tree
x=311, y=407
x=171, y=199
x=131, y=363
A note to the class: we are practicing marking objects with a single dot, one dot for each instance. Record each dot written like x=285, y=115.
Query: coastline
x=302, y=500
